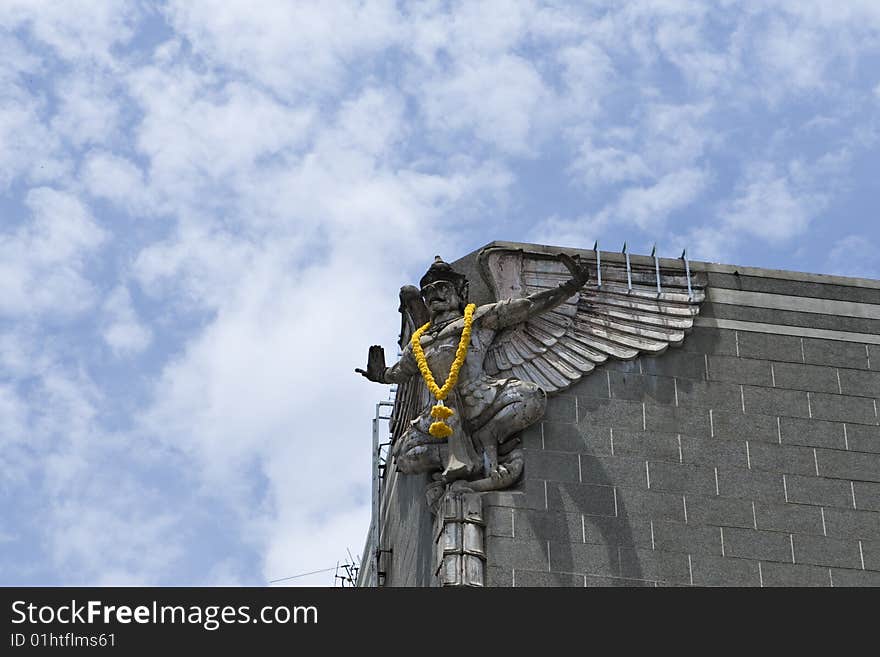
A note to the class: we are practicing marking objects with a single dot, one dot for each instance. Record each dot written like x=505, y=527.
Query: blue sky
x=207, y=209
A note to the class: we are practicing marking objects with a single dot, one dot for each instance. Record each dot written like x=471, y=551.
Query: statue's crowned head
x=442, y=285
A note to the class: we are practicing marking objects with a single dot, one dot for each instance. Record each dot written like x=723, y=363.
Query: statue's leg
x=462, y=458
x=418, y=452
x=423, y=458
x=522, y=404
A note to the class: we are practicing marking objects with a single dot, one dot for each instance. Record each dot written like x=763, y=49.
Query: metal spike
x=656, y=268
x=687, y=269
x=629, y=276
x=598, y=263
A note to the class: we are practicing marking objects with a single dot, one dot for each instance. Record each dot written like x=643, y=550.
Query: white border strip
x=779, y=329
x=797, y=304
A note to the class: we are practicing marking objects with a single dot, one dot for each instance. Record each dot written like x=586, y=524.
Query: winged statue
x=555, y=320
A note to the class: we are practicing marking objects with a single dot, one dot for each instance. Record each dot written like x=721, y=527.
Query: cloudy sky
x=207, y=209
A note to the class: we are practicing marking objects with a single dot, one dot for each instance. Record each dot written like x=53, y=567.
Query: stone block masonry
x=749, y=456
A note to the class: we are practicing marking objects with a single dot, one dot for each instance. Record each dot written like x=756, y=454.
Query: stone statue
x=554, y=320
x=547, y=330
x=489, y=410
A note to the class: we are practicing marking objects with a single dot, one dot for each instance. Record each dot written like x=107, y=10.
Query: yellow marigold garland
x=441, y=412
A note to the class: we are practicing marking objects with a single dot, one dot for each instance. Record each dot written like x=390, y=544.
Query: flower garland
x=440, y=411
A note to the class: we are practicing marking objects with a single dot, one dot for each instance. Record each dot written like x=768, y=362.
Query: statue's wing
x=613, y=320
x=411, y=396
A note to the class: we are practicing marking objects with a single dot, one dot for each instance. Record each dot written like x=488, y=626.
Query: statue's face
x=441, y=296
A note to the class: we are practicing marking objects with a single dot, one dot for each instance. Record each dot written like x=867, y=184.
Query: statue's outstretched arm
x=404, y=369
x=397, y=373
x=513, y=311
x=541, y=302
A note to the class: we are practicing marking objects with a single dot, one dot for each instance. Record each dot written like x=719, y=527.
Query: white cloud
x=854, y=255
x=30, y=149
x=192, y=269
x=197, y=133
x=792, y=55
x=296, y=49
x=115, y=532
x=122, y=331
x=117, y=179
x=563, y=231
x=496, y=99
x=676, y=135
x=645, y=207
x=648, y=207
x=288, y=555
x=91, y=518
x=106, y=536
x=589, y=76
x=76, y=31
x=365, y=130
x=707, y=242
x=769, y=207
x=13, y=414
x=597, y=167
x=18, y=444
x=43, y=263
x=88, y=111
x=776, y=202
x=270, y=384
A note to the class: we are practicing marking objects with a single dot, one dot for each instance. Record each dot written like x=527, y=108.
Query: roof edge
x=696, y=265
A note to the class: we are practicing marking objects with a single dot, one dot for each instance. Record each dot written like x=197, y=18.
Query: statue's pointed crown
x=442, y=271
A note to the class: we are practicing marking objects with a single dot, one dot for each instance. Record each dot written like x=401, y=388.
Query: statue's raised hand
x=580, y=273
x=375, y=365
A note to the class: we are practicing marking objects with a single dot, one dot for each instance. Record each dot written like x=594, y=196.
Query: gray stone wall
x=743, y=458
x=749, y=456
x=407, y=533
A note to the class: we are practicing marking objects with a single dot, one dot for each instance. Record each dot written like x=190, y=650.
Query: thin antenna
x=314, y=572
x=598, y=263
x=350, y=572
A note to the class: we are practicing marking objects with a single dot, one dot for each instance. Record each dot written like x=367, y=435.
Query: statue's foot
x=499, y=474
x=503, y=476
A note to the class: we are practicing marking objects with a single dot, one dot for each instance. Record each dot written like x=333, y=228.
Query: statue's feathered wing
x=412, y=395
x=559, y=347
